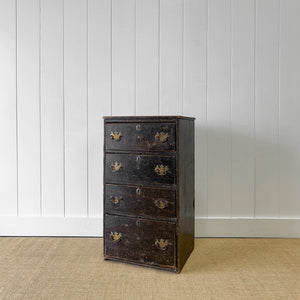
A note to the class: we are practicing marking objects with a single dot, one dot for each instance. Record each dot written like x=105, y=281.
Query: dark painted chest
x=149, y=190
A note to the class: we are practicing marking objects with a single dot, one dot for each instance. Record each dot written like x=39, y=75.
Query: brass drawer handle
x=115, y=236
x=116, y=166
x=116, y=136
x=162, y=136
x=161, y=244
x=161, y=203
x=161, y=170
x=115, y=199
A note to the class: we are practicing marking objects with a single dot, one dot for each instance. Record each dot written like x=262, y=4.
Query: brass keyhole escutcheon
x=138, y=191
x=138, y=127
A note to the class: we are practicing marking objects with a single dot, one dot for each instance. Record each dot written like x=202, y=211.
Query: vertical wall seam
x=17, y=120
x=135, y=57
x=40, y=105
x=87, y=108
x=206, y=96
x=159, y=65
x=279, y=109
x=183, y=60
x=111, y=57
x=254, y=104
x=230, y=99
x=64, y=113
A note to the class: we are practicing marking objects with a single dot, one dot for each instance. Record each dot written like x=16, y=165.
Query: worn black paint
x=134, y=215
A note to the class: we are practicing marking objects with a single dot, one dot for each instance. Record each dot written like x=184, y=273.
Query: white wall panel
x=99, y=95
x=52, y=108
x=219, y=108
x=194, y=91
x=28, y=95
x=8, y=103
x=267, y=109
x=75, y=82
x=123, y=57
x=171, y=57
x=147, y=59
x=289, y=109
x=232, y=64
x=242, y=108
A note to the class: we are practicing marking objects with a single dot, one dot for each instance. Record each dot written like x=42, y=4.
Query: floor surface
x=73, y=268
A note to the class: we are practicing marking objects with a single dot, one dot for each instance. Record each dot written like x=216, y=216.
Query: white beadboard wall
x=233, y=64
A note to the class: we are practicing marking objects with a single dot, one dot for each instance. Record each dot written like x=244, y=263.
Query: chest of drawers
x=149, y=190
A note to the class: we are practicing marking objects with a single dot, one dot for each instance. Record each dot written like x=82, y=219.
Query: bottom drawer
x=139, y=240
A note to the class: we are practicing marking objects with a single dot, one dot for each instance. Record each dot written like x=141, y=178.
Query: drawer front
x=140, y=240
x=140, y=201
x=138, y=169
x=140, y=136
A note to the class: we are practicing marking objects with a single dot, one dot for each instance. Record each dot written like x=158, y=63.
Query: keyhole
x=138, y=162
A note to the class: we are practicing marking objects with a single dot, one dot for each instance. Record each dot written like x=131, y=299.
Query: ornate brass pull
x=161, y=203
x=116, y=166
x=116, y=136
x=161, y=170
x=115, y=236
x=115, y=199
x=161, y=244
x=162, y=136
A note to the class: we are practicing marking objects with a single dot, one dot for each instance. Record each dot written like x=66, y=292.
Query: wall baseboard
x=93, y=227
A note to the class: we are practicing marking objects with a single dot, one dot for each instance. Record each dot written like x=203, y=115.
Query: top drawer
x=140, y=136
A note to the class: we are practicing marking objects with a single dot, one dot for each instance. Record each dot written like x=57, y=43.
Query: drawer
x=140, y=136
x=140, y=201
x=138, y=169
x=140, y=240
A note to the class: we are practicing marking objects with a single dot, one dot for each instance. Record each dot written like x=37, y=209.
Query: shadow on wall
x=237, y=172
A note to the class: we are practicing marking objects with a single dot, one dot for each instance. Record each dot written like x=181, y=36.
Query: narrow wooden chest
x=149, y=190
